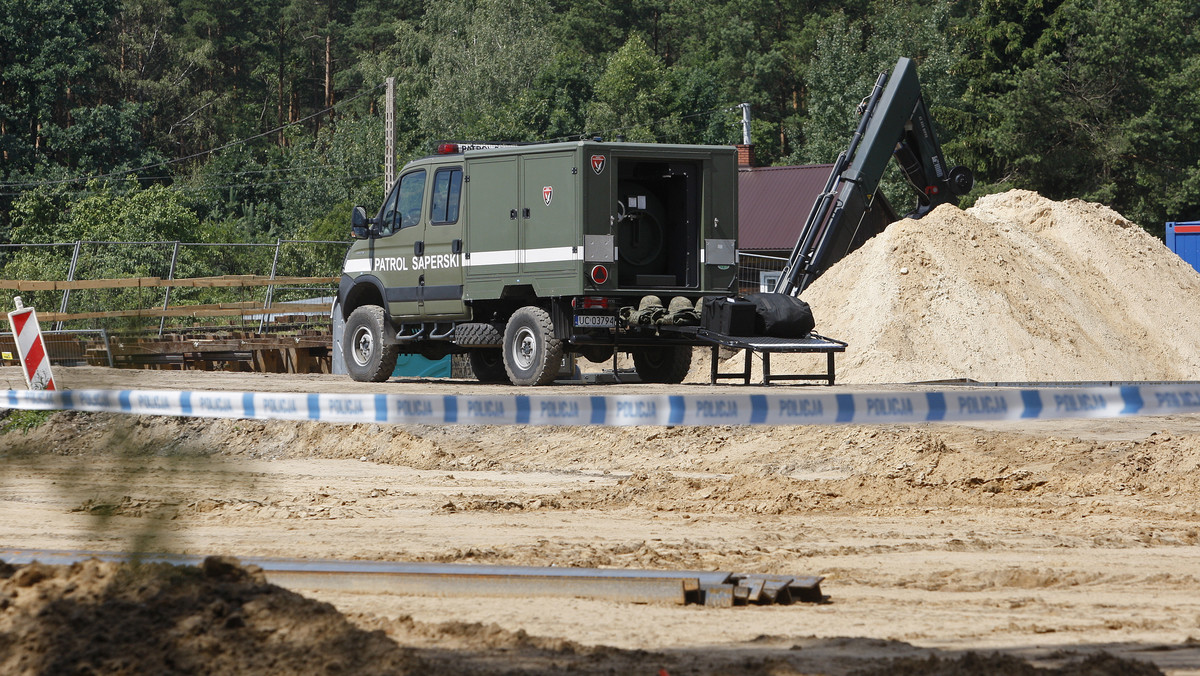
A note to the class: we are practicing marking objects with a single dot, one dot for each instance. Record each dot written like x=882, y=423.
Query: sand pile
x=1018, y=287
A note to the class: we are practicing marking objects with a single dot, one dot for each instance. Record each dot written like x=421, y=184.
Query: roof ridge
x=789, y=166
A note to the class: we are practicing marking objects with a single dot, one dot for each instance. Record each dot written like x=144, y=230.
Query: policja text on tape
x=784, y=408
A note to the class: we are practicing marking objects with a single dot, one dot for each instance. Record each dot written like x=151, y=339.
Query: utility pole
x=389, y=133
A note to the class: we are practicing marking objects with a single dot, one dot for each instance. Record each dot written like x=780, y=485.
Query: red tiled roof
x=773, y=203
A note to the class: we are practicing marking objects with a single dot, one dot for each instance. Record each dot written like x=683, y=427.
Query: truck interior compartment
x=658, y=207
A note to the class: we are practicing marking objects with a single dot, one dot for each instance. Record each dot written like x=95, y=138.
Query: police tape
x=784, y=408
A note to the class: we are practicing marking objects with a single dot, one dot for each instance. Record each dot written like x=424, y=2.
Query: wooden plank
x=190, y=311
x=158, y=282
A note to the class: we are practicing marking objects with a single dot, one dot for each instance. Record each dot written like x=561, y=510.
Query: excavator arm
x=895, y=123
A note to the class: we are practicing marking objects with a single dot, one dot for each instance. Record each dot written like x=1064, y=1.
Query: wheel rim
x=363, y=344
x=524, y=349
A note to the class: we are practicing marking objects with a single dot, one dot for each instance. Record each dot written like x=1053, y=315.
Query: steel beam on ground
x=664, y=590
x=674, y=587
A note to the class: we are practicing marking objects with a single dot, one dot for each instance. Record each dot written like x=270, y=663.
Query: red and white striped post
x=27, y=334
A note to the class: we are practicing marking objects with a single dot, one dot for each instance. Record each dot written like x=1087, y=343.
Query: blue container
x=1184, y=239
x=416, y=366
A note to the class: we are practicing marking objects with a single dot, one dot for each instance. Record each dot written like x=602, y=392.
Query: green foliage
x=1091, y=100
x=632, y=95
x=19, y=420
x=850, y=55
x=1067, y=97
x=482, y=55
x=44, y=216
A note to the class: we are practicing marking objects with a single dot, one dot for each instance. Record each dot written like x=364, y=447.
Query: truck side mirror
x=360, y=227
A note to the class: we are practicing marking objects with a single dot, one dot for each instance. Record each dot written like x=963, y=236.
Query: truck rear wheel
x=532, y=355
x=665, y=364
x=488, y=365
x=368, y=358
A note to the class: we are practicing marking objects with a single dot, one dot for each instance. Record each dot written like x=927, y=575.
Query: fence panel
x=65, y=348
x=176, y=260
x=758, y=273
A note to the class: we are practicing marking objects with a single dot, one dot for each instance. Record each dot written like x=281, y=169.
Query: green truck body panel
x=460, y=233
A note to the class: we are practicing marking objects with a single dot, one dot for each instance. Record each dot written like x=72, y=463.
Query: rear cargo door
x=550, y=233
x=491, y=238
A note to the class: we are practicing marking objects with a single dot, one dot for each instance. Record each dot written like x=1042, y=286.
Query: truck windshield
x=403, y=206
x=412, y=190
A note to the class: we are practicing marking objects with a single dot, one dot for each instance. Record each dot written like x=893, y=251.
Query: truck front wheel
x=665, y=364
x=488, y=365
x=532, y=355
x=368, y=358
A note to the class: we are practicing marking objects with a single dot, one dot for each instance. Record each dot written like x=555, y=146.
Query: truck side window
x=412, y=192
x=447, y=189
x=387, y=215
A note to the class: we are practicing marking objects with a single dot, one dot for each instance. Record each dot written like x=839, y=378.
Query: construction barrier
x=35, y=363
x=785, y=408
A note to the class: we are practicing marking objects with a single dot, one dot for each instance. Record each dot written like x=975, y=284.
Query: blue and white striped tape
x=630, y=409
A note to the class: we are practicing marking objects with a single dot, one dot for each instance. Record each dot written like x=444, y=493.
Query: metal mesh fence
x=78, y=261
x=64, y=348
x=758, y=273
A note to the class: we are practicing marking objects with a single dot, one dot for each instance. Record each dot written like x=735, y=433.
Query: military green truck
x=518, y=255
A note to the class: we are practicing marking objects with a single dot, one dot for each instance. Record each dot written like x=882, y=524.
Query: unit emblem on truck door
x=548, y=194
x=598, y=163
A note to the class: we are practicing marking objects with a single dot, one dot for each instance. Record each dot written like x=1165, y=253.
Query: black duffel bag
x=781, y=316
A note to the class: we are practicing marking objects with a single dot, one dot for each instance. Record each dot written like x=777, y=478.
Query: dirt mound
x=107, y=618
x=99, y=617
x=1016, y=288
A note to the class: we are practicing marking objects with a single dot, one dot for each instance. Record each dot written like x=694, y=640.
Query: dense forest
x=223, y=120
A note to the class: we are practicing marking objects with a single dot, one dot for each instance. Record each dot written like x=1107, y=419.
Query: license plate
x=596, y=321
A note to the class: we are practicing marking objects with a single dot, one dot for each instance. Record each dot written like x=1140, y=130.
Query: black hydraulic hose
x=812, y=241
x=787, y=280
x=868, y=113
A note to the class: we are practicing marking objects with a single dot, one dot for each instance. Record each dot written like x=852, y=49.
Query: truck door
x=490, y=259
x=401, y=227
x=549, y=241
x=441, y=263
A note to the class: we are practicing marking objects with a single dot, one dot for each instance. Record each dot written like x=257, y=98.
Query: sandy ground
x=1048, y=543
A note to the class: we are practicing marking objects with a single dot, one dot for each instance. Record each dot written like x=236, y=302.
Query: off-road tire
x=532, y=355
x=477, y=334
x=663, y=364
x=368, y=358
x=488, y=365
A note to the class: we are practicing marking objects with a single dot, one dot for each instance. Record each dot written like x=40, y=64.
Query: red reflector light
x=599, y=274
x=591, y=303
x=447, y=149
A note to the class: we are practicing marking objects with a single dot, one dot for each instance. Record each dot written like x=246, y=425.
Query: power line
x=253, y=172
x=227, y=186
x=327, y=179
x=606, y=132
x=248, y=172
x=35, y=184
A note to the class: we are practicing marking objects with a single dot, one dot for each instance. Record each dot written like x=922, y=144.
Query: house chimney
x=745, y=149
x=745, y=153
